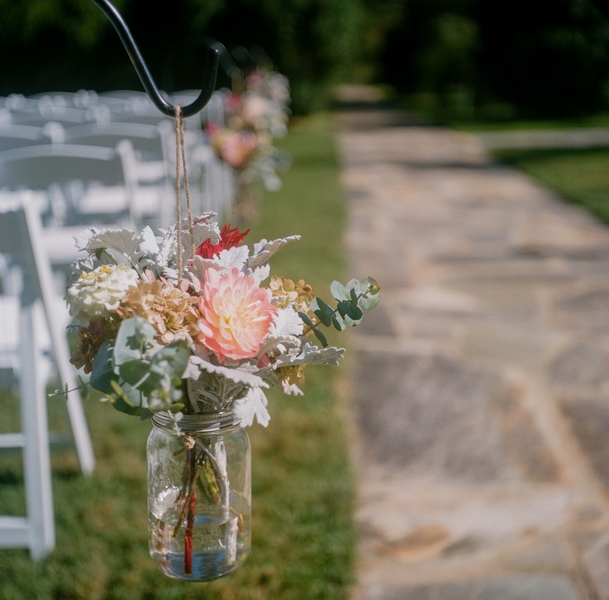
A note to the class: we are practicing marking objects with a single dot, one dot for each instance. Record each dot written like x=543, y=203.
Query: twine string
x=181, y=165
x=187, y=190
x=178, y=114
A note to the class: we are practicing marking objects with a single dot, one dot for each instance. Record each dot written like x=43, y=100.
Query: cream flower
x=237, y=314
x=99, y=292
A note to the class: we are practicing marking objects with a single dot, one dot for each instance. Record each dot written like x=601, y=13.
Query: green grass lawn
x=600, y=120
x=580, y=176
x=303, y=489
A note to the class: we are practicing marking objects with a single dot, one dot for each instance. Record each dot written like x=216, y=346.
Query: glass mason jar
x=199, y=495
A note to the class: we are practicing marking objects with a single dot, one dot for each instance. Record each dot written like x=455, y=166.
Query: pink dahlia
x=237, y=315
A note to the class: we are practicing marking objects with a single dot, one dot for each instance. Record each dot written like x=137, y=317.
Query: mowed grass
x=589, y=122
x=580, y=176
x=303, y=491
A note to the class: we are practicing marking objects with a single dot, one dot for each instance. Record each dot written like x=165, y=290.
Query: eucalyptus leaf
x=135, y=411
x=338, y=322
x=372, y=286
x=119, y=393
x=103, y=373
x=352, y=311
x=338, y=291
x=135, y=336
x=305, y=318
x=352, y=322
x=322, y=311
x=129, y=400
x=138, y=375
x=353, y=284
x=85, y=394
x=321, y=337
x=171, y=360
x=368, y=302
x=346, y=309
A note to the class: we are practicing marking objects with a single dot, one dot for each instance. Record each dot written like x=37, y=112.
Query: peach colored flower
x=237, y=315
x=234, y=147
x=172, y=310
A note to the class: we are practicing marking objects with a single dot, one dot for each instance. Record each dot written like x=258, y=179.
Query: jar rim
x=193, y=423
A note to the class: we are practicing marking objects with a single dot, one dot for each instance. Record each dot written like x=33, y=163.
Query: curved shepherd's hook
x=211, y=69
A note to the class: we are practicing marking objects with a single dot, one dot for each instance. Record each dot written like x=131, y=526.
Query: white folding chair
x=137, y=109
x=20, y=240
x=147, y=142
x=19, y=136
x=98, y=183
x=146, y=139
x=43, y=113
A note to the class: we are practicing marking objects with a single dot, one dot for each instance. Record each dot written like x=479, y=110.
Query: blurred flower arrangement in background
x=253, y=120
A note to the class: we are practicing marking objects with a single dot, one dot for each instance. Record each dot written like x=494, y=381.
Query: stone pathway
x=481, y=382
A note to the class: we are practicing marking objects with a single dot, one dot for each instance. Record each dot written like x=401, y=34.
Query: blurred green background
x=461, y=58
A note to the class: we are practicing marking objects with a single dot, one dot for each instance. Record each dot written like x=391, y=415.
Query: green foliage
x=352, y=298
x=25, y=22
x=548, y=58
x=313, y=42
x=303, y=491
x=136, y=382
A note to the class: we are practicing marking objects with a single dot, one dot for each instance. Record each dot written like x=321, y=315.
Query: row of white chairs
x=120, y=106
x=67, y=160
x=110, y=172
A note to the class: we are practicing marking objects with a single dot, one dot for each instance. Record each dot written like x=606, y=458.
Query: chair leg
x=36, y=456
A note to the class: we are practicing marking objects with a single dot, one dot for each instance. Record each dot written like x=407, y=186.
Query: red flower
x=229, y=238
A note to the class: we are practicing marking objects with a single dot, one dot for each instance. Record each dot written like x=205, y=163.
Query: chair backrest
x=19, y=136
x=74, y=170
x=146, y=139
x=123, y=95
x=141, y=118
x=44, y=113
x=37, y=167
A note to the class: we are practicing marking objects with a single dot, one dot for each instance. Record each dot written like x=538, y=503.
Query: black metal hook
x=226, y=60
x=242, y=55
x=211, y=67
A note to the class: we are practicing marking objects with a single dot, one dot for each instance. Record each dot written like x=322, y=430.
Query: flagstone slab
x=436, y=415
x=513, y=588
x=589, y=422
x=584, y=364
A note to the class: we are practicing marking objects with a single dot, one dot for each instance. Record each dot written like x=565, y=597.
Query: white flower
x=99, y=292
x=253, y=404
x=261, y=273
x=291, y=389
x=255, y=108
x=286, y=322
x=310, y=355
x=232, y=257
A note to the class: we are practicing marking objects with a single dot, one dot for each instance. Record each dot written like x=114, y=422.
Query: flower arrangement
x=143, y=327
x=253, y=120
x=191, y=331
